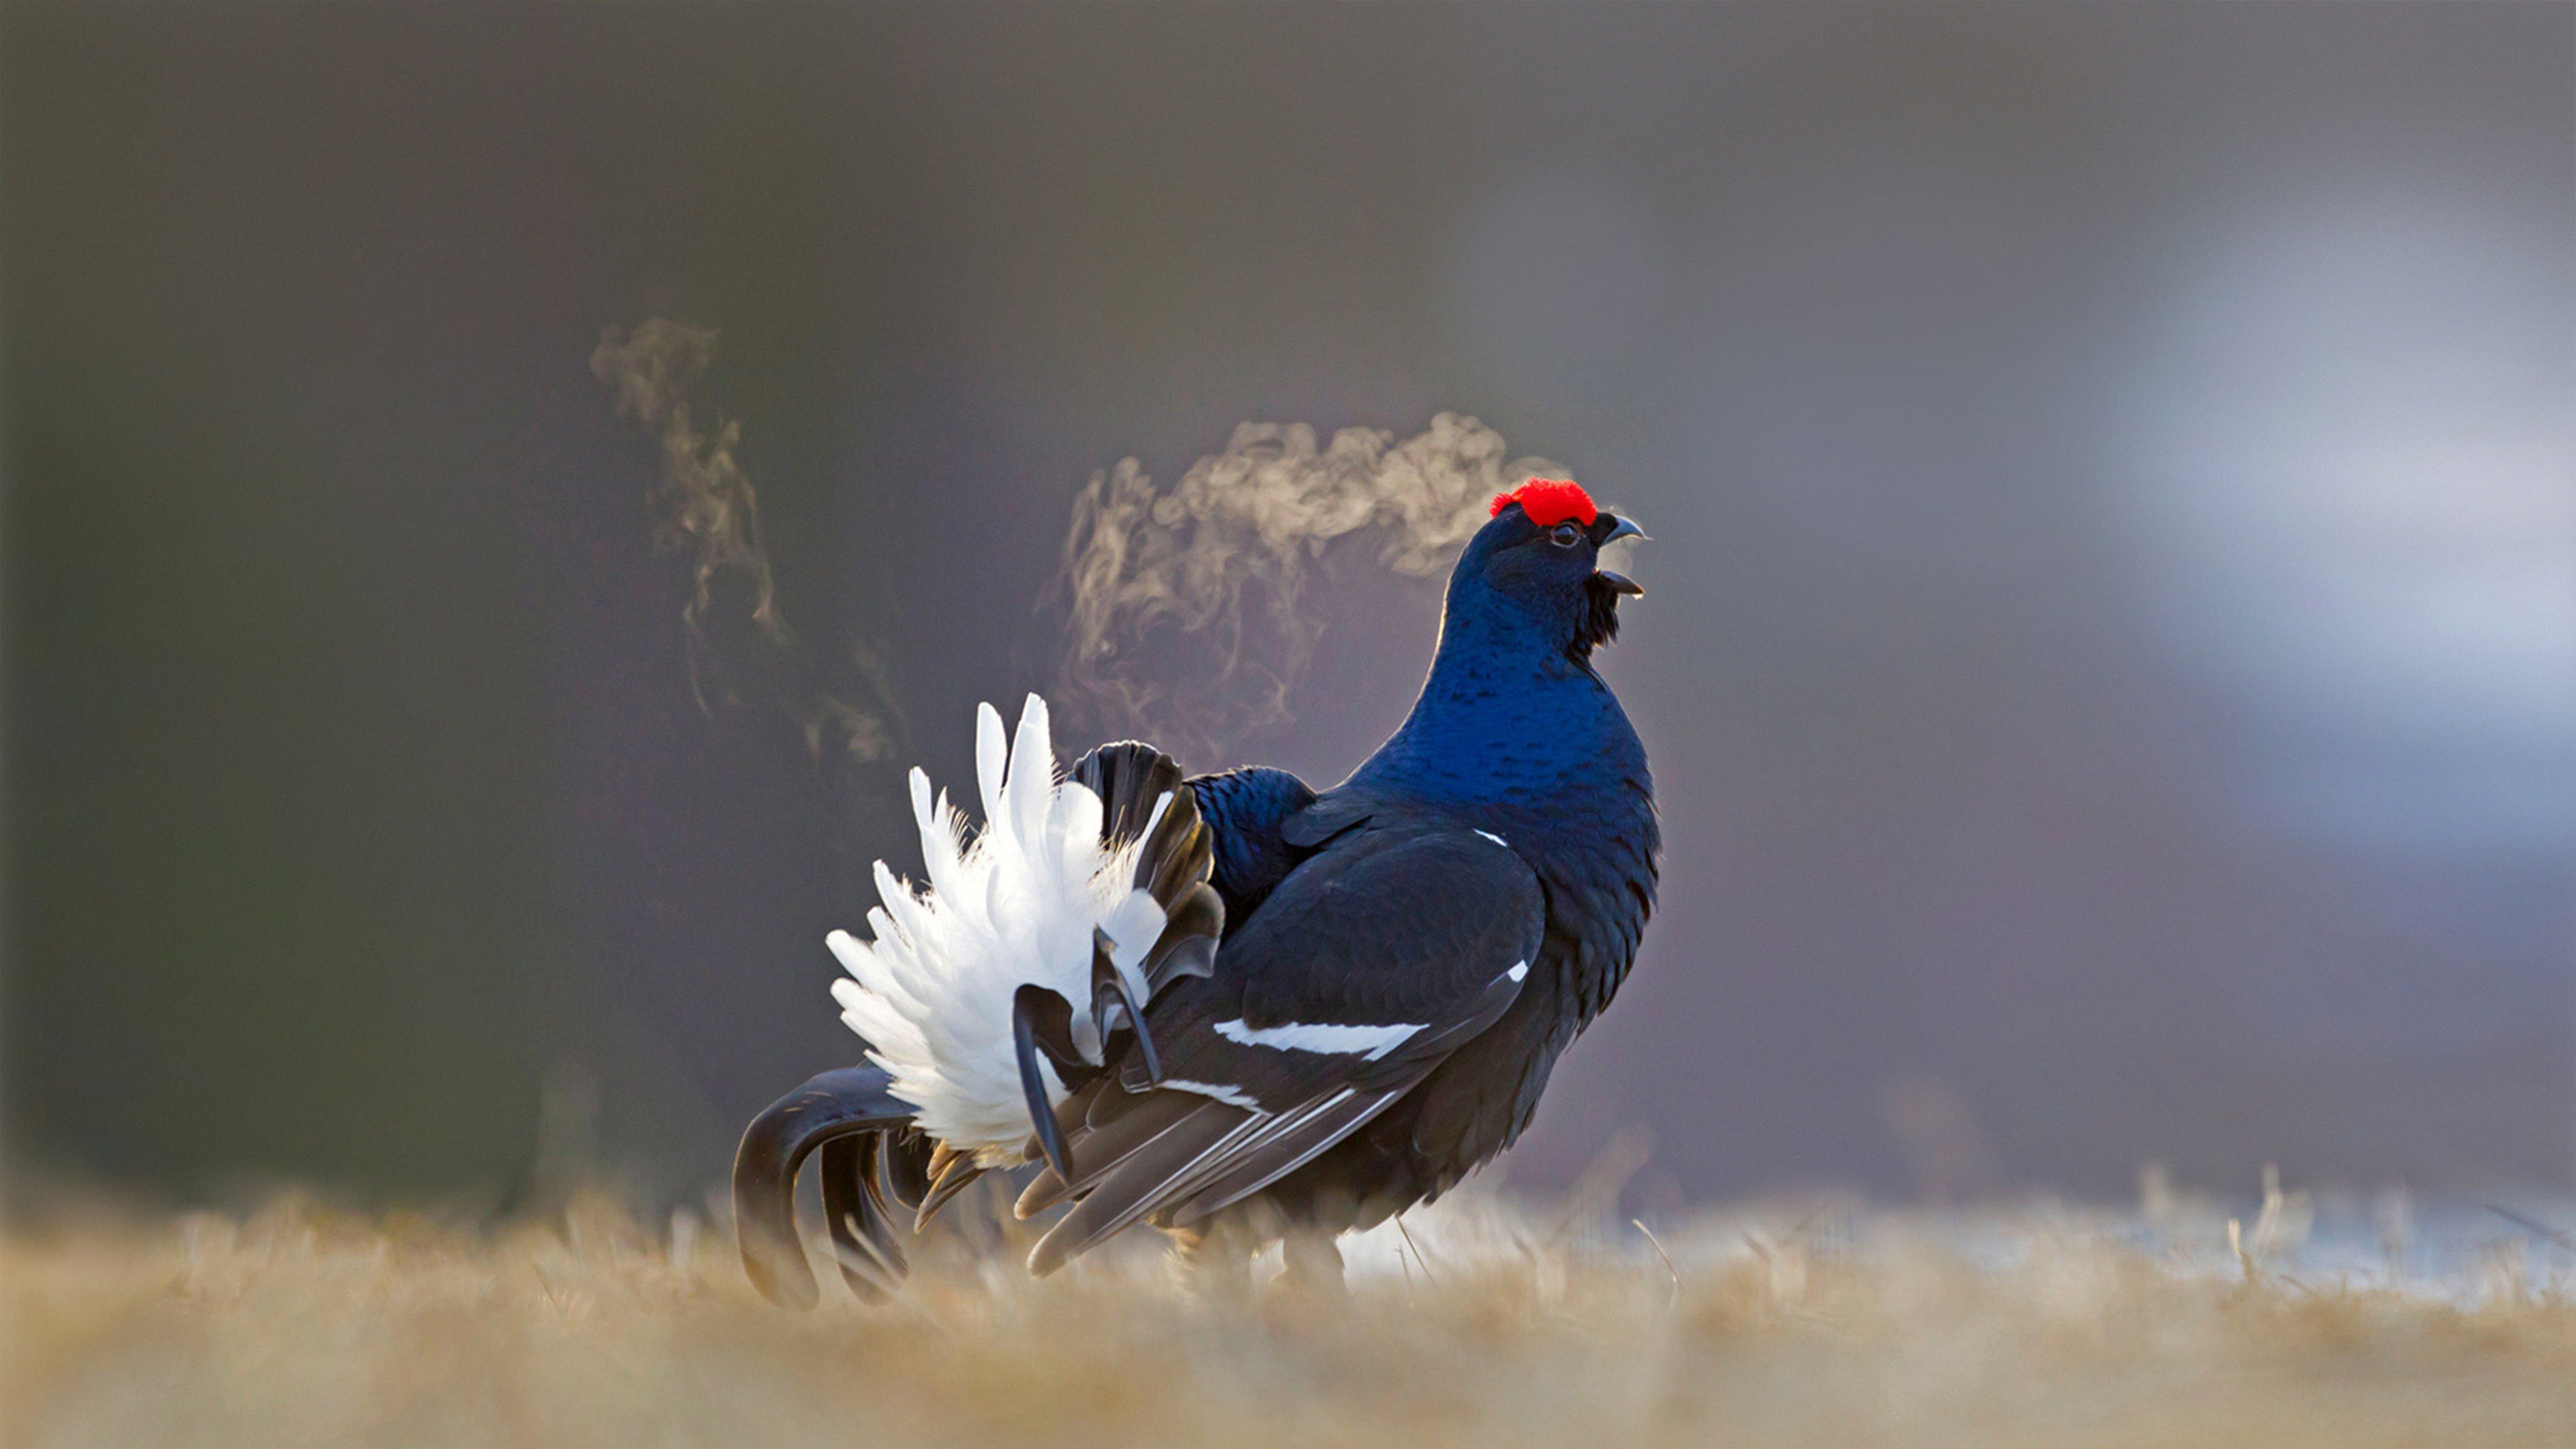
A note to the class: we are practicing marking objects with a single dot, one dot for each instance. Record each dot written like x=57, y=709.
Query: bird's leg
x=1314, y=1263
x=1213, y=1261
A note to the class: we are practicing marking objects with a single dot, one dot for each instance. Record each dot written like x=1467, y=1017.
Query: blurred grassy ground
x=301, y=1326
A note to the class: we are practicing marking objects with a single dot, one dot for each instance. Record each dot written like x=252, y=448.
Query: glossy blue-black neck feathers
x=1512, y=710
x=1515, y=734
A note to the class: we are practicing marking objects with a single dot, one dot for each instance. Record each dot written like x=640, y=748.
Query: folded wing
x=1365, y=967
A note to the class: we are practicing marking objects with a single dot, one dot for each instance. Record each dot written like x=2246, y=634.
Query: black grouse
x=1231, y=1005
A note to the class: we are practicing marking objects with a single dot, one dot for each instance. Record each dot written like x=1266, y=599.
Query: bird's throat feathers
x=1506, y=706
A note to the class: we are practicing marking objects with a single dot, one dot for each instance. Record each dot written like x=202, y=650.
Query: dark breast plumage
x=1593, y=851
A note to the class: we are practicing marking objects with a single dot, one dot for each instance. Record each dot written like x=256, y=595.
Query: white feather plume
x=1013, y=903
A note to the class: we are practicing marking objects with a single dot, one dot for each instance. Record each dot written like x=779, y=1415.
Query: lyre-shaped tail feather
x=862, y=1130
x=988, y=994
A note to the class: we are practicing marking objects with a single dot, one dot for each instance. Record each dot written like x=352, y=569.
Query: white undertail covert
x=1013, y=903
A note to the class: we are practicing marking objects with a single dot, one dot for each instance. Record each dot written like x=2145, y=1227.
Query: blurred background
x=2110, y=665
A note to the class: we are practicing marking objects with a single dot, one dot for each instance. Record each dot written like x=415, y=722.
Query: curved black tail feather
x=874, y=1160
x=851, y=1116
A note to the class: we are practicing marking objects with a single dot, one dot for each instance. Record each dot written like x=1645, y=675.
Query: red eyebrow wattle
x=1549, y=502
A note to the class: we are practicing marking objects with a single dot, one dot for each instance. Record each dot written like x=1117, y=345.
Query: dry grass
x=303, y=1327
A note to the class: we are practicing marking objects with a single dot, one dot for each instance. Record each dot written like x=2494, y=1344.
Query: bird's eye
x=1566, y=535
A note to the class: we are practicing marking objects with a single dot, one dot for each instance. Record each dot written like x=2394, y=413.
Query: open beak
x=1620, y=583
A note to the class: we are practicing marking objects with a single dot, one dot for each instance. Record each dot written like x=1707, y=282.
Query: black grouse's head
x=1539, y=558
